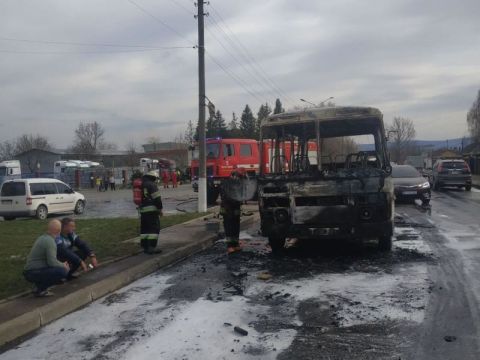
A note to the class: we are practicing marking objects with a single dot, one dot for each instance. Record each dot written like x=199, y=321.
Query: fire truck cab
x=223, y=157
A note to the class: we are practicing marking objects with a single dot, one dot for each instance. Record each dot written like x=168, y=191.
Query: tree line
x=89, y=138
x=247, y=126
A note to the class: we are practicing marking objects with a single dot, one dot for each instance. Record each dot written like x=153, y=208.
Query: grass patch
x=105, y=236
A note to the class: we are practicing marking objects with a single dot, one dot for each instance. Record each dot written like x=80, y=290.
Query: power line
x=145, y=11
x=256, y=76
x=234, y=77
x=247, y=56
x=236, y=60
x=183, y=7
x=86, y=51
x=223, y=68
x=266, y=89
x=72, y=43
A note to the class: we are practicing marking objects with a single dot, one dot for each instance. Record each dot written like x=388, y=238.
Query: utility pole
x=202, y=168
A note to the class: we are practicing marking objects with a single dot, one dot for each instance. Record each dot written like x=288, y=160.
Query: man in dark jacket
x=72, y=249
x=150, y=210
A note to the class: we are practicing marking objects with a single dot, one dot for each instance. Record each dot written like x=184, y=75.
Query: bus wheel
x=385, y=243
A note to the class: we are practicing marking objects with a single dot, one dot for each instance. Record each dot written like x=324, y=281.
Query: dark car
x=409, y=184
x=452, y=172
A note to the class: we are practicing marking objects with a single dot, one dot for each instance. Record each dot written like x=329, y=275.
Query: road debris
x=264, y=276
x=240, y=331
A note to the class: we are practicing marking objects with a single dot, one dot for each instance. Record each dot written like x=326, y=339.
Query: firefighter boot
x=152, y=248
x=233, y=245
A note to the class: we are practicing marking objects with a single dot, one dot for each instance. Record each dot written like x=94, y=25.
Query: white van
x=38, y=197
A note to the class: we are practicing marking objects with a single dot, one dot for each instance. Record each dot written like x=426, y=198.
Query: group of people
x=102, y=183
x=168, y=176
x=56, y=256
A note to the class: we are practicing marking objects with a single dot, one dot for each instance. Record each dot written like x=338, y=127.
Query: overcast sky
x=416, y=59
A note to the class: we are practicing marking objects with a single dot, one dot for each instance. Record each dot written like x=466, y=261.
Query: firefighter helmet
x=152, y=173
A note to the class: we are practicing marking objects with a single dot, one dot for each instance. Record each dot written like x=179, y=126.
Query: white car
x=38, y=197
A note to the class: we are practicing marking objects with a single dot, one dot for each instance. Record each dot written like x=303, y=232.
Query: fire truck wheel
x=277, y=243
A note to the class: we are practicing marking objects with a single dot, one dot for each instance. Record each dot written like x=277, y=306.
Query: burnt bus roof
x=324, y=114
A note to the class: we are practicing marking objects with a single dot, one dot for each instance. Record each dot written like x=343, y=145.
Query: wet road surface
x=110, y=204
x=321, y=301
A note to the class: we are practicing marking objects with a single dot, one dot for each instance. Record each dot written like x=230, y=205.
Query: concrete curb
x=30, y=321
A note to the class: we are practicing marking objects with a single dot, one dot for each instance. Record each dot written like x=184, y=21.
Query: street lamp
x=308, y=102
x=330, y=98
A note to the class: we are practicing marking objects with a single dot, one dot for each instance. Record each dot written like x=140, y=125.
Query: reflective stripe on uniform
x=156, y=194
x=149, y=208
x=149, y=236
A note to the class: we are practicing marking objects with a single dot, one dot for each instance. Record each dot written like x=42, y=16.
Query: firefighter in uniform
x=230, y=210
x=150, y=210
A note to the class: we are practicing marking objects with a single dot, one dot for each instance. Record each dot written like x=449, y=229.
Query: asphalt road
x=321, y=301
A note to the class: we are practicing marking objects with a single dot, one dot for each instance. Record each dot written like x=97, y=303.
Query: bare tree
x=132, y=158
x=7, y=150
x=333, y=148
x=89, y=138
x=402, y=135
x=473, y=119
x=190, y=133
x=28, y=142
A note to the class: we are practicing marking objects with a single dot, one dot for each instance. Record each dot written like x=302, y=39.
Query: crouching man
x=72, y=249
x=42, y=268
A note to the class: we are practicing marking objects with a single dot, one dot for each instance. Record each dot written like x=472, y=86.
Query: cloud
x=417, y=60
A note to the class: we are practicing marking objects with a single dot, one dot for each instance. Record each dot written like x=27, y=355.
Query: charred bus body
x=334, y=191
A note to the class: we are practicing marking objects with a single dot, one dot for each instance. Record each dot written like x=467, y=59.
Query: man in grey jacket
x=42, y=268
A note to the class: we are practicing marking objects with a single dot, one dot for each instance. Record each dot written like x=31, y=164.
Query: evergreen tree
x=247, y=123
x=233, y=125
x=220, y=125
x=264, y=111
x=210, y=126
x=278, y=107
x=233, y=130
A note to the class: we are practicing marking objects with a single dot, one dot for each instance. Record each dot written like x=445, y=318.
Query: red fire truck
x=223, y=157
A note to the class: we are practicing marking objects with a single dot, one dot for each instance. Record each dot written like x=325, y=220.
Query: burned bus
x=329, y=176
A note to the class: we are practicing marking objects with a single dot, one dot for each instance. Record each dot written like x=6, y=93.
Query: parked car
x=452, y=172
x=38, y=197
x=409, y=184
